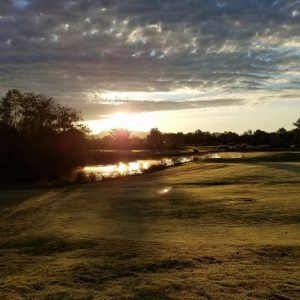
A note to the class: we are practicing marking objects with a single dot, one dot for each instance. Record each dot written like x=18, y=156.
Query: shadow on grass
x=98, y=273
x=10, y=197
x=45, y=245
x=282, y=166
x=152, y=294
x=276, y=252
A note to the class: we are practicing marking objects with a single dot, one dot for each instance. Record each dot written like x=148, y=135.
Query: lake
x=100, y=172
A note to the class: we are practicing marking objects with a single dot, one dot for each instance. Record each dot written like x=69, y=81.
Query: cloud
x=69, y=49
x=97, y=110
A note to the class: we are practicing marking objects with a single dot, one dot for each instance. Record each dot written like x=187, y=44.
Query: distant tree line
x=156, y=140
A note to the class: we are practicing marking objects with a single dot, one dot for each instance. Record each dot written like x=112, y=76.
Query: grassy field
x=224, y=229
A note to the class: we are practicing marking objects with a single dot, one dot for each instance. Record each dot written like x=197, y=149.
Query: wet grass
x=203, y=230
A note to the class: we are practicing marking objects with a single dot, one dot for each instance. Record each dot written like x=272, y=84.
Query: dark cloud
x=74, y=47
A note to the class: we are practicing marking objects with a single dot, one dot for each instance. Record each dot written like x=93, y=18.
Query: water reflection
x=100, y=172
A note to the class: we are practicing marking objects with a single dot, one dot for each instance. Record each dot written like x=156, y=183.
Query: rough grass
x=203, y=230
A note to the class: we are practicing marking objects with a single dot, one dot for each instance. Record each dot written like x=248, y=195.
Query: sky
x=179, y=65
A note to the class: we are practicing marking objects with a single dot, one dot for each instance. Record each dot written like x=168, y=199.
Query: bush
x=81, y=177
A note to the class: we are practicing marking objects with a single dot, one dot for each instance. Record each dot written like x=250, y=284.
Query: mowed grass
x=204, y=230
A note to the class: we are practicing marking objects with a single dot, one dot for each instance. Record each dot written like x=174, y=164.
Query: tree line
x=43, y=140
x=156, y=140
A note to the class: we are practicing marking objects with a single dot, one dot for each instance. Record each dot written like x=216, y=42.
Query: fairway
x=204, y=230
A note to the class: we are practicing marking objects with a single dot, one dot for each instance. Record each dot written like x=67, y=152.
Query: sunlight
x=132, y=122
x=121, y=169
x=165, y=190
x=174, y=94
x=98, y=172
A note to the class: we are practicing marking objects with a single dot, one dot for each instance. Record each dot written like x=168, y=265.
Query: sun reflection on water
x=99, y=172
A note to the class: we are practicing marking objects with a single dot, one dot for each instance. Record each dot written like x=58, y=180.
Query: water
x=100, y=172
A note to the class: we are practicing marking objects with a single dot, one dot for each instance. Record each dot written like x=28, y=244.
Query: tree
x=229, y=138
x=40, y=139
x=155, y=139
x=297, y=124
x=260, y=137
x=34, y=114
x=120, y=137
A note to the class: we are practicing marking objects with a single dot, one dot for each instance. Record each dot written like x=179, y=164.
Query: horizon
x=98, y=127
x=141, y=132
x=178, y=66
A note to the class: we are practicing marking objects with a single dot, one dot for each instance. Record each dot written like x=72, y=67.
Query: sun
x=132, y=122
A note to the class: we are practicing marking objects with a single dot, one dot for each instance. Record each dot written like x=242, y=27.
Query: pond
x=100, y=172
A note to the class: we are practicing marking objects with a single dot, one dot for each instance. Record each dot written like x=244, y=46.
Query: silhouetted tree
x=120, y=138
x=136, y=143
x=297, y=124
x=40, y=139
x=260, y=137
x=155, y=139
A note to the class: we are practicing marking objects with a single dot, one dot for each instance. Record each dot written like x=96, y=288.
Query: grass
x=44, y=245
x=203, y=230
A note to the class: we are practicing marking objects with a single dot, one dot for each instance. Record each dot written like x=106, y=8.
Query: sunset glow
x=197, y=65
x=132, y=122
